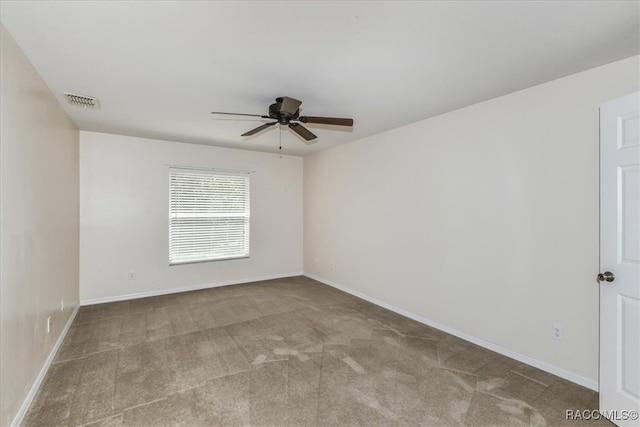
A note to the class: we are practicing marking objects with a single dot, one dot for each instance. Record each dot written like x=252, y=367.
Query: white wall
x=124, y=198
x=39, y=205
x=484, y=219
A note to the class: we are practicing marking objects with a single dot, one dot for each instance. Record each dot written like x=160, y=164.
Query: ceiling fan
x=286, y=111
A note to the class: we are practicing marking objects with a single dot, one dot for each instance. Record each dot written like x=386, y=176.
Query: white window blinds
x=208, y=216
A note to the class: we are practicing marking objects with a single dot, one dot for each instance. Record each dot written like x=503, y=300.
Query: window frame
x=173, y=261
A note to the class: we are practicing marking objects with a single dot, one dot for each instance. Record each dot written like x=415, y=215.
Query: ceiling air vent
x=82, y=101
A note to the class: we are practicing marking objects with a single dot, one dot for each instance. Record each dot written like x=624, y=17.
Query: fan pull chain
x=280, y=131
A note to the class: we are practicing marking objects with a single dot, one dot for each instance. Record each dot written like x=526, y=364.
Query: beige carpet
x=285, y=352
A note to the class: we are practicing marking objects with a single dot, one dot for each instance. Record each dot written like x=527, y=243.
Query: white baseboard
x=136, y=295
x=585, y=382
x=17, y=420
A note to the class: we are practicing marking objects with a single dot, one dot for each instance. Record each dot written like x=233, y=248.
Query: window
x=208, y=216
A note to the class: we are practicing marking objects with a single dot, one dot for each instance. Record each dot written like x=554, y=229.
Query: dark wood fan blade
x=258, y=129
x=327, y=120
x=289, y=105
x=240, y=114
x=302, y=131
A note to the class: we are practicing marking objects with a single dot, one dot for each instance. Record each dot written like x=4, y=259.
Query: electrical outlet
x=49, y=324
x=132, y=276
x=556, y=332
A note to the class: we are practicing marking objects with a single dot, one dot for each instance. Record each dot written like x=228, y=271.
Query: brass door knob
x=607, y=276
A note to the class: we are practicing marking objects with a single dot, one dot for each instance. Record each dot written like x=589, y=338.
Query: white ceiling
x=160, y=67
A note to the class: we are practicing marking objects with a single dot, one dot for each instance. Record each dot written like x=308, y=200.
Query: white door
x=620, y=256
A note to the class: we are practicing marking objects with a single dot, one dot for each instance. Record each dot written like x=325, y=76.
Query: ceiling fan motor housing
x=283, y=117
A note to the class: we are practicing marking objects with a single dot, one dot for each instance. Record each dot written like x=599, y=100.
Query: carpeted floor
x=285, y=352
